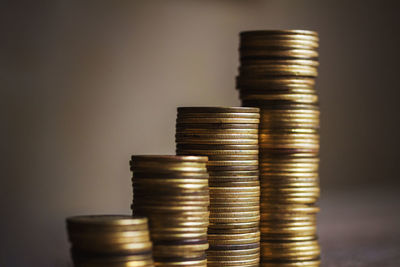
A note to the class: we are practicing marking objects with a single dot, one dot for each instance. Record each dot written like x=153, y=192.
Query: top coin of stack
x=277, y=74
x=110, y=240
x=172, y=191
x=229, y=137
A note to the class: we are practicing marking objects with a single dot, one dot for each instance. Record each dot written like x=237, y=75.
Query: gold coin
x=217, y=120
x=233, y=174
x=269, y=62
x=216, y=147
x=300, y=98
x=232, y=258
x=184, y=110
x=278, y=208
x=232, y=252
x=246, y=189
x=233, y=225
x=216, y=136
x=234, y=220
x=233, y=231
x=106, y=220
x=218, y=242
x=232, y=157
x=233, y=163
x=218, y=209
x=105, y=262
x=274, y=83
x=233, y=236
x=285, y=53
x=168, y=158
x=238, y=141
x=193, y=129
x=181, y=248
x=235, y=183
x=281, y=43
x=215, y=126
x=241, y=263
x=220, y=115
x=189, y=263
x=282, y=70
x=231, y=214
x=216, y=153
x=277, y=34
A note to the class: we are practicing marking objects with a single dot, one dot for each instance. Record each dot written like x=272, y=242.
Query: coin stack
x=172, y=191
x=229, y=137
x=277, y=74
x=110, y=241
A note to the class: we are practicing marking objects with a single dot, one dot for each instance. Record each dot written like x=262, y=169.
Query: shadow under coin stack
x=109, y=241
x=172, y=191
x=229, y=137
x=277, y=74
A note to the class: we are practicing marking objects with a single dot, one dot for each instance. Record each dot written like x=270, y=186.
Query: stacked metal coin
x=110, y=241
x=172, y=191
x=277, y=74
x=229, y=137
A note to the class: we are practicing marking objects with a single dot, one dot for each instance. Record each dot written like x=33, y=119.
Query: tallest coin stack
x=277, y=74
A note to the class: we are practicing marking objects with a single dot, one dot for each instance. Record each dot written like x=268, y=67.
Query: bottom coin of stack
x=110, y=241
x=172, y=191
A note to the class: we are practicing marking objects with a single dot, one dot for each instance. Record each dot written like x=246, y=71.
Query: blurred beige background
x=86, y=84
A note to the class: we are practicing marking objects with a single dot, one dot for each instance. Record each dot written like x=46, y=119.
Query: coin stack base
x=110, y=241
x=277, y=74
x=172, y=191
x=229, y=138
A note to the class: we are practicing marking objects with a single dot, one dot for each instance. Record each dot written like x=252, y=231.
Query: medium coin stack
x=277, y=74
x=110, y=241
x=172, y=191
x=229, y=138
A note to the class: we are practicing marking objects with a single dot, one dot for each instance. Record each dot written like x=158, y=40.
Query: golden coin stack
x=110, y=241
x=172, y=191
x=277, y=74
x=229, y=138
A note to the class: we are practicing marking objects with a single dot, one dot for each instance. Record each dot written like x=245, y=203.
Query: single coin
x=217, y=110
x=197, y=130
x=233, y=236
x=278, y=208
x=218, y=209
x=278, y=70
x=300, y=98
x=215, y=126
x=235, y=220
x=279, y=53
x=295, y=34
x=238, y=141
x=247, y=115
x=217, y=147
x=106, y=220
x=217, y=120
x=216, y=136
x=233, y=225
x=167, y=158
x=232, y=252
x=233, y=231
x=218, y=153
x=218, y=183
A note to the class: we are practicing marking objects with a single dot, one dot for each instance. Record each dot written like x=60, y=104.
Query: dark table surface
x=360, y=228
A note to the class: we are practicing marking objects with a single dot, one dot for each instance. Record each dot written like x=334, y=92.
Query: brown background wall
x=85, y=85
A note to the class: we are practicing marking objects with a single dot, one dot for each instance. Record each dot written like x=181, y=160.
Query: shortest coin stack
x=172, y=191
x=110, y=241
